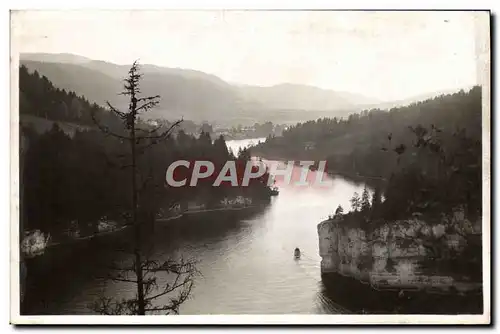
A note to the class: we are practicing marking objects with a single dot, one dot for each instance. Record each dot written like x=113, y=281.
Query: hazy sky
x=385, y=55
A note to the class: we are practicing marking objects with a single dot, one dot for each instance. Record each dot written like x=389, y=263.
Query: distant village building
x=310, y=145
x=236, y=202
x=105, y=225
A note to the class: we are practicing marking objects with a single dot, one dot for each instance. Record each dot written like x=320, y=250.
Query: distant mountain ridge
x=185, y=94
x=194, y=94
x=294, y=96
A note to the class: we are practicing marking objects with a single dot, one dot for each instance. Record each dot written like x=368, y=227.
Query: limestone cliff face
x=387, y=257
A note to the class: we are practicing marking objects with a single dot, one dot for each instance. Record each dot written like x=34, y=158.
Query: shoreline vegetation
x=68, y=157
x=367, y=143
x=70, y=241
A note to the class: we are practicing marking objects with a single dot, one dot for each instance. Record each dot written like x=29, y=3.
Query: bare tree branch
x=163, y=135
x=148, y=105
x=144, y=269
x=105, y=129
x=120, y=114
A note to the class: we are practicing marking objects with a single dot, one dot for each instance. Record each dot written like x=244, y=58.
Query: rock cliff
x=391, y=256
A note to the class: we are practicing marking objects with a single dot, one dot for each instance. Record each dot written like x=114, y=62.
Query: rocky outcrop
x=391, y=256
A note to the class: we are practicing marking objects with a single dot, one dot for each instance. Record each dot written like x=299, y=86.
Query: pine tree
x=355, y=202
x=365, y=200
x=376, y=199
x=144, y=268
x=339, y=211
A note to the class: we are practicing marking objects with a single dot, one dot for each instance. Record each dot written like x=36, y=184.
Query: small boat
x=296, y=253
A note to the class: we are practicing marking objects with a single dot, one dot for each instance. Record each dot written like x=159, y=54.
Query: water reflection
x=246, y=259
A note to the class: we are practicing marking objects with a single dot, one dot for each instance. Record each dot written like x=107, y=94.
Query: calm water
x=246, y=259
x=235, y=145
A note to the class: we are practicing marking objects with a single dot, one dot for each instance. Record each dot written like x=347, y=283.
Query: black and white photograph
x=250, y=166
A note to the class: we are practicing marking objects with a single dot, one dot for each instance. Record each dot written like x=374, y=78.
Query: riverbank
x=192, y=212
x=160, y=220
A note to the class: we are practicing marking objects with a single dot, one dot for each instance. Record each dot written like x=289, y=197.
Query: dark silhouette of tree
x=46, y=168
x=338, y=212
x=207, y=128
x=145, y=269
x=365, y=201
x=222, y=153
x=376, y=200
x=373, y=142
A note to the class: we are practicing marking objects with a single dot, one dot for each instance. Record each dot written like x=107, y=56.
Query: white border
x=264, y=319
x=14, y=180
x=261, y=4
x=249, y=319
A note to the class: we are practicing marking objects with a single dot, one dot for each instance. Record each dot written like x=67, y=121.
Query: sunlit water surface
x=246, y=261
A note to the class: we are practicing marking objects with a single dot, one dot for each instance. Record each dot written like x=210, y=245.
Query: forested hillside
x=363, y=142
x=39, y=97
x=429, y=151
x=79, y=178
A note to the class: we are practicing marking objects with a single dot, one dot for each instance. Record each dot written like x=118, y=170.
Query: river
x=246, y=261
